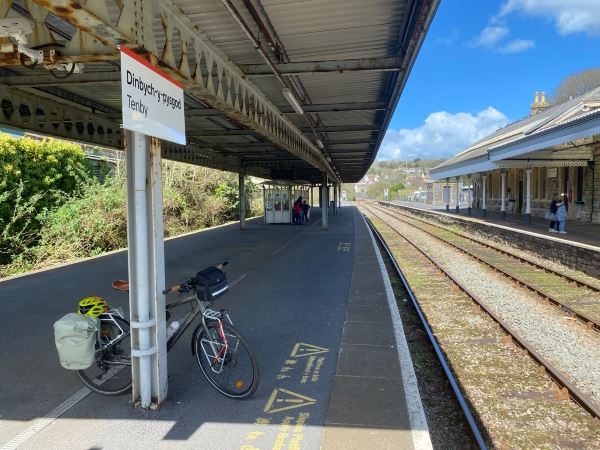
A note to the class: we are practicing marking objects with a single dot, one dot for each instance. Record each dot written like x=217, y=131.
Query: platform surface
x=299, y=295
x=578, y=231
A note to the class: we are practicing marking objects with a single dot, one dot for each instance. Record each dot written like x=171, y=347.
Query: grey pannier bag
x=76, y=337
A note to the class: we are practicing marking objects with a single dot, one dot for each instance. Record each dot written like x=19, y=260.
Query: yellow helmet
x=92, y=306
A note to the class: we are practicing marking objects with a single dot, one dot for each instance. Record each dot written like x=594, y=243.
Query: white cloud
x=570, y=16
x=442, y=135
x=490, y=35
x=517, y=46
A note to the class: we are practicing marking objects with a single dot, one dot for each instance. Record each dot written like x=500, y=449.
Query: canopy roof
x=345, y=61
x=560, y=133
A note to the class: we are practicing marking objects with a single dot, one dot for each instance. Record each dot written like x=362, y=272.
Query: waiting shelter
x=279, y=197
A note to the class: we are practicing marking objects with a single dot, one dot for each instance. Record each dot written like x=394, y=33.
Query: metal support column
x=145, y=236
x=242, y=198
x=324, y=202
x=312, y=191
x=335, y=198
x=503, y=196
x=483, y=194
x=528, y=199
x=457, y=195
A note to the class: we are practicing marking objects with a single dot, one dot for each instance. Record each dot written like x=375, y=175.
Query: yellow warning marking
x=282, y=400
x=303, y=349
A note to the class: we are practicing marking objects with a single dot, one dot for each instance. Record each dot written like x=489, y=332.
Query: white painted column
x=242, y=199
x=447, y=192
x=145, y=236
x=469, y=195
x=484, y=195
x=528, y=199
x=324, y=202
x=457, y=195
x=503, y=196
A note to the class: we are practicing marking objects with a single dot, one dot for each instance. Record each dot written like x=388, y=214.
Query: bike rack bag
x=211, y=283
x=75, y=337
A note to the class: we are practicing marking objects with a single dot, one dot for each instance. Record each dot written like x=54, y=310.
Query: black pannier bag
x=211, y=283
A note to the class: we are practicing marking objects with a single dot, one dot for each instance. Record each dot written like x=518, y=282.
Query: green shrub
x=35, y=176
x=93, y=219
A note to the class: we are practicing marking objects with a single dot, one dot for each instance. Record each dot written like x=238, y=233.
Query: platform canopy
x=274, y=88
x=561, y=135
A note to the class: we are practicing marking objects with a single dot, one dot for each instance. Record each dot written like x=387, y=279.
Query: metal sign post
x=152, y=105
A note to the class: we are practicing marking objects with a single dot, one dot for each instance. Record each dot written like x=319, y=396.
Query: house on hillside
x=517, y=168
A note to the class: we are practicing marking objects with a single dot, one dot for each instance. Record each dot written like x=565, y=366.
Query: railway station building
x=517, y=169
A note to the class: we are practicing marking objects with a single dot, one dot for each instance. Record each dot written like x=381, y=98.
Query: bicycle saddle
x=120, y=285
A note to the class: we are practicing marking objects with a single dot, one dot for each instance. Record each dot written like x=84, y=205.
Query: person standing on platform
x=552, y=214
x=305, y=208
x=561, y=214
x=297, y=213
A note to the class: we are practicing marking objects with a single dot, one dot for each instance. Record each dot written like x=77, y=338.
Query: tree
x=576, y=84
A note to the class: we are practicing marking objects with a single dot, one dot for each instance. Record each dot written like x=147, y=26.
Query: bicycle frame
x=201, y=308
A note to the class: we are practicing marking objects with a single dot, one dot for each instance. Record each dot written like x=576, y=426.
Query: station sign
x=152, y=102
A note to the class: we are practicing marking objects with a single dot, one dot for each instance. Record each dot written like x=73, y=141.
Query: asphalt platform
x=313, y=305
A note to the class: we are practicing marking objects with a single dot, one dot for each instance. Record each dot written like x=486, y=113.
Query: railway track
x=573, y=296
x=461, y=331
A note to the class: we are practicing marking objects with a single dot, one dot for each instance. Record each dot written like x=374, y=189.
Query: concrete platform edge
x=419, y=427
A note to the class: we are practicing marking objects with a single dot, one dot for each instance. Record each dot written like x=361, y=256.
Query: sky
x=479, y=68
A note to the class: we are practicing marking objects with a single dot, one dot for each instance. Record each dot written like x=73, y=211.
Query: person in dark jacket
x=553, y=224
x=305, y=208
x=561, y=213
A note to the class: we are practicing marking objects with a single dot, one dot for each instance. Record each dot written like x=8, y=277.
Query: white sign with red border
x=152, y=102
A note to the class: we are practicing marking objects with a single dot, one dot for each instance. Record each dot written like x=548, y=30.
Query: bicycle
x=218, y=347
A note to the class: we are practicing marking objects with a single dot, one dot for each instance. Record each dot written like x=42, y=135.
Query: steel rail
x=590, y=323
x=460, y=398
x=571, y=279
x=561, y=380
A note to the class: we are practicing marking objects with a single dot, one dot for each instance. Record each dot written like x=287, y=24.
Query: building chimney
x=534, y=108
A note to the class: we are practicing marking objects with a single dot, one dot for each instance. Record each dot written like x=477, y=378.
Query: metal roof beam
x=223, y=132
x=336, y=107
x=26, y=111
x=343, y=129
x=350, y=141
x=200, y=65
x=316, y=67
x=77, y=79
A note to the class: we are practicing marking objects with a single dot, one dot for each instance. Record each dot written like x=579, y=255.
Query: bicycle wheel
x=111, y=373
x=231, y=369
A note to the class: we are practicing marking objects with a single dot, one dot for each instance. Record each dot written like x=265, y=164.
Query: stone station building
x=518, y=168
